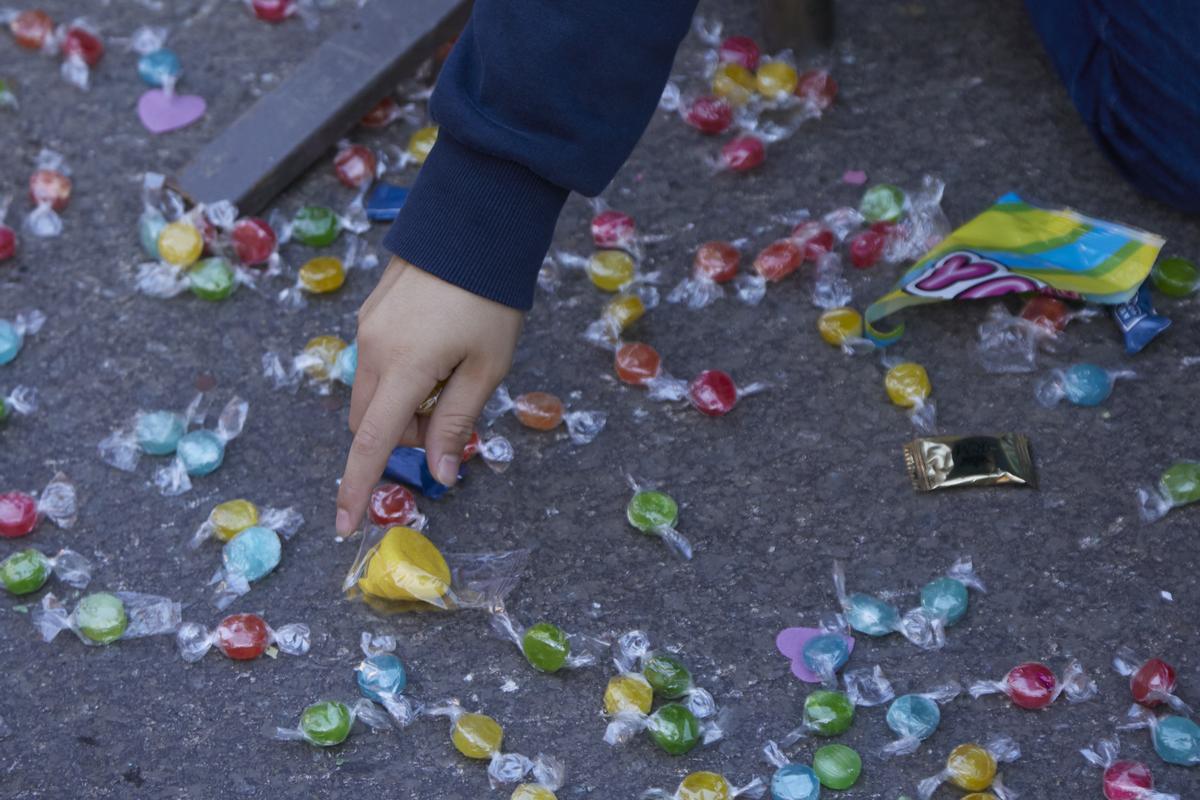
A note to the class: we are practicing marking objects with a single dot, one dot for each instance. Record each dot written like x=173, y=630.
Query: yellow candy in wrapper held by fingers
x=406, y=566
x=321, y=354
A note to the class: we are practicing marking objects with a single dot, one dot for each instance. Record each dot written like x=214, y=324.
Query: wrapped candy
x=544, y=412
x=636, y=363
x=103, y=617
x=241, y=637
x=618, y=314
x=202, y=451
x=8, y=237
x=26, y=571
x=817, y=88
x=158, y=66
x=826, y=651
x=213, y=279
x=776, y=79
x=876, y=617
x=1179, y=485
x=712, y=392
x=1176, y=739
x=656, y=514
x=400, y=570
x=882, y=202
x=1123, y=780
x=21, y=512
x=355, y=165
x=707, y=786
x=1175, y=276
x=153, y=219
x=907, y=385
x=665, y=673
x=778, y=260
x=81, y=49
x=419, y=146
x=609, y=270
x=12, y=334
x=228, y=519
x=409, y=465
x=841, y=327
x=252, y=554
x=255, y=244
x=1151, y=681
x=612, y=229
x=545, y=646
x=319, y=226
x=22, y=400
x=478, y=736
x=830, y=287
x=830, y=713
x=326, y=274
x=32, y=29
x=329, y=722
x=155, y=433
x=49, y=191
x=381, y=677
x=837, y=766
x=946, y=598
x=321, y=361
x=1009, y=343
x=715, y=264
x=791, y=781
x=915, y=717
x=1034, y=686
x=742, y=154
x=548, y=775
x=972, y=768
x=385, y=201
x=673, y=727
x=1137, y=320
x=1080, y=384
x=391, y=504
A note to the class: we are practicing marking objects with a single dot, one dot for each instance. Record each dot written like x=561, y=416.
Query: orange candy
x=539, y=410
x=637, y=363
x=47, y=187
x=31, y=28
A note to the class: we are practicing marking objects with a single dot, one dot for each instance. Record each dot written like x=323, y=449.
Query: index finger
x=390, y=412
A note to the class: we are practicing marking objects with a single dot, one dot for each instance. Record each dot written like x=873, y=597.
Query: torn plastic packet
x=329, y=722
x=1151, y=681
x=547, y=647
x=12, y=334
x=707, y=784
x=155, y=433
x=478, y=736
x=252, y=554
x=1123, y=779
x=873, y=616
x=241, y=637
x=103, y=617
x=1034, y=686
x=28, y=570
x=382, y=678
x=656, y=513
x=20, y=512
x=229, y=518
x=972, y=768
x=544, y=412
x=201, y=451
x=1176, y=739
x=915, y=717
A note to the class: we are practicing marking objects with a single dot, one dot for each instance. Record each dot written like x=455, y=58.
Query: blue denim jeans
x=1132, y=68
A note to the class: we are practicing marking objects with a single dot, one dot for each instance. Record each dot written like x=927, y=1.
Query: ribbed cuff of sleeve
x=479, y=222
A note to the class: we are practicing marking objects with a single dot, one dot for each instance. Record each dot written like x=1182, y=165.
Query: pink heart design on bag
x=161, y=112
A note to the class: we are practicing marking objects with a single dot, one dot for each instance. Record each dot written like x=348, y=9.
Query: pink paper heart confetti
x=790, y=643
x=161, y=112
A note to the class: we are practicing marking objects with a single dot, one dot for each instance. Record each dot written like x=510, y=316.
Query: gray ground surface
x=771, y=494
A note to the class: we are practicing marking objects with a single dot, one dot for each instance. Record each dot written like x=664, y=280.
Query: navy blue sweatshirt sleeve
x=538, y=98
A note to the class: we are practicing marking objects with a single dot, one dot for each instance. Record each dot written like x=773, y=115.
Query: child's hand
x=413, y=331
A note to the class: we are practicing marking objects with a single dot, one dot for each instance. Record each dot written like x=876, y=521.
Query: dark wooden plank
x=282, y=134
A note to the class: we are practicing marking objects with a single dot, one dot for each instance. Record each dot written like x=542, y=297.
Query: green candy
x=1180, y=484
x=667, y=676
x=674, y=729
x=326, y=724
x=837, y=766
x=1175, y=276
x=315, y=226
x=545, y=647
x=651, y=511
x=101, y=617
x=212, y=279
x=24, y=571
x=882, y=203
x=828, y=713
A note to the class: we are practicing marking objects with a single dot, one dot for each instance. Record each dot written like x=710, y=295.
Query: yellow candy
x=839, y=324
x=980, y=796
x=405, y=566
x=629, y=692
x=179, y=243
x=971, y=767
x=703, y=786
x=532, y=791
x=907, y=384
x=322, y=274
x=776, y=79
x=733, y=82
x=232, y=517
x=610, y=269
x=421, y=143
x=625, y=310
x=477, y=735
x=322, y=352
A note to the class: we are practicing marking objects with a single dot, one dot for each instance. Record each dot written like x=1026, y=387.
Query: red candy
x=739, y=50
x=1127, y=780
x=31, y=28
x=814, y=238
x=471, y=448
x=716, y=261
x=1031, y=685
x=1152, y=680
x=612, y=229
x=637, y=363
x=710, y=115
x=354, y=165
x=8, y=242
x=713, y=392
x=818, y=87
x=272, y=10
x=47, y=187
x=743, y=153
x=778, y=260
x=243, y=637
x=381, y=115
x=18, y=514
x=866, y=248
x=84, y=44
x=1049, y=312
x=253, y=241
x=392, y=504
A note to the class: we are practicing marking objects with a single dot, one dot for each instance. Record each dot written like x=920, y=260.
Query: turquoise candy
x=1086, y=384
x=870, y=615
x=913, y=716
x=10, y=341
x=380, y=675
x=158, y=432
x=1177, y=741
x=795, y=782
x=253, y=553
x=945, y=599
x=150, y=224
x=159, y=67
x=825, y=654
x=201, y=452
x=346, y=364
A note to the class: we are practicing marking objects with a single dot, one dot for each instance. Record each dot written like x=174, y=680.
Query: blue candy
x=385, y=202
x=380, y=676
x=1086, y=384
x=945, y=599
x=407, y=465
x=158, y=432
x=10, y=341
x=870, y=615
x=159, y=67
x=150, y=225
x=795, y=782
x=253, y=553
x=346, y=364
x=1138, y=321
x=200, y=452
x=1177, y=741
x=826, y=654
x=913, y=716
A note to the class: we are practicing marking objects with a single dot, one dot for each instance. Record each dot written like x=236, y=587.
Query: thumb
x=453, y=419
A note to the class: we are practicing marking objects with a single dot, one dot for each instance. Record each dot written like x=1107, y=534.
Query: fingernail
x=342, y=522
x=447, y=470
